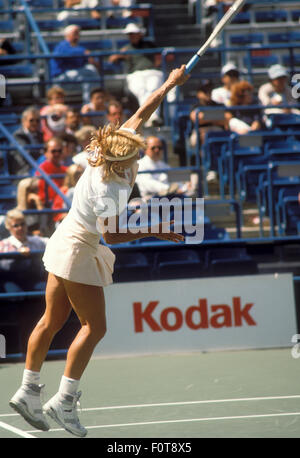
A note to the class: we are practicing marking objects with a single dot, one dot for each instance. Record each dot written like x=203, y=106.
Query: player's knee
x=97, y=332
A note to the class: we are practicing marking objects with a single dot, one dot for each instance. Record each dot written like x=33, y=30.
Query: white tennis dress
x=73, y=252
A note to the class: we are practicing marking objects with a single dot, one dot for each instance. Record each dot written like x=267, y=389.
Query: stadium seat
x=295, y=15
x=242, y=18
x=261, y=61
x=287, y=209
x=284, y=121
x=288, y=61
x=247, y=39
x=182, y=263
x=271, y=16
x=131, y=266
x=230, y=261
x=279, y=175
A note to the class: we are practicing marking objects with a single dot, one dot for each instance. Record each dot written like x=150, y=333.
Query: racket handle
x=191, y=63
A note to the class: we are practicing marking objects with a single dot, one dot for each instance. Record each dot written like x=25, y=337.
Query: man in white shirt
x=277, y=91
x=150, y=184
x=230, y=75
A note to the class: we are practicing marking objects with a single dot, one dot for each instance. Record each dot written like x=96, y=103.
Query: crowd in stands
x=55, y=135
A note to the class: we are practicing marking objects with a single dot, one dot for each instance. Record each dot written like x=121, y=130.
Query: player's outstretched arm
x=177, y=77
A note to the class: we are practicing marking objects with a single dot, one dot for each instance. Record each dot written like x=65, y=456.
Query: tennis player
x=79, y=267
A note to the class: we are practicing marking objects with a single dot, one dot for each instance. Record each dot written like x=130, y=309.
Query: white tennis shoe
x=27, y=402
x=62, y=408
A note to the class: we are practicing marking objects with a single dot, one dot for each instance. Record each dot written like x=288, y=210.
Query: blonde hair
x=24, y=187
x=111, y=145
x=13, y=215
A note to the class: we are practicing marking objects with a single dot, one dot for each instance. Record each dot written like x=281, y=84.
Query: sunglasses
x=156, y=147
x=53, y=151
x=18, y=225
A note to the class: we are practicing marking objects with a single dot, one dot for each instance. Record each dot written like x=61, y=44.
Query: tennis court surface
x=251, y=393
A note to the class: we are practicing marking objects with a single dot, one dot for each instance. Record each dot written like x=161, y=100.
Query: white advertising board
x=256, y=311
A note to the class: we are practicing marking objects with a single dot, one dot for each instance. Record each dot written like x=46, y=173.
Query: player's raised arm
x=177, y=77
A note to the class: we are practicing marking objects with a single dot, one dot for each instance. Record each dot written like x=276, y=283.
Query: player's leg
x=26, y=400
x=89, y=304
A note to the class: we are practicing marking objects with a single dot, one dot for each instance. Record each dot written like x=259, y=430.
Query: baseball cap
x=229, y=67
x=276, y=71
x=133, y=28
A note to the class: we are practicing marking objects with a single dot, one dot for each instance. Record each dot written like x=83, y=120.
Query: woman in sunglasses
x=79, y=267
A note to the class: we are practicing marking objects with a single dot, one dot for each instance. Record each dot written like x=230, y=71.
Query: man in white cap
x=229, y=75
x=277, y=91
x=143, y=73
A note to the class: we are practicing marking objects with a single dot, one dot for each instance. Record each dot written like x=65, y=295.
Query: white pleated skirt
x=75, y=254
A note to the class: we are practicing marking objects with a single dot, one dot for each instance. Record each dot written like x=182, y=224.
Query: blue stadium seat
x=288, y=61
x=83, y=23
x=279, y=175
x=7, y=25
x=271, y=16
x=183, y=263
x=284, y=121
x=295, y=15
x=262, y=61
x=131, y=266
x=247, y=39
x=49, y=24
x=17, y=70
x=242, y=18
x=287, y=210
x=230, y=261
x=282, y=37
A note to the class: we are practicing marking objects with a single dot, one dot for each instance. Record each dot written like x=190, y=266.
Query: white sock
x=68, y=385
x=30, y=377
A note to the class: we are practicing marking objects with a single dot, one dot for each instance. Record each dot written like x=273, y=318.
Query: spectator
x=73, y=121
x=244, y=121
x=115, y=114
x=115, y=13
x=143, y=70
x=77, y=5
x=277, y=91
x=52, y=165
x=83, y=136
x=13, y=271
x=73, y=174
x=28, y=134
x=208, y=121
x=97, y=104
x=28, y=199
x=230, y=75
x=79, y=67
x=157, y=183
x=56, y=98
x=70, y=145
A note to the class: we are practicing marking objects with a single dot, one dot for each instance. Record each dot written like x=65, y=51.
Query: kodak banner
x=256, y=311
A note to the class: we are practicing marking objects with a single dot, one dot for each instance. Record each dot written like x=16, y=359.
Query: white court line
x=186, y=420
x=17, y=431
x=169, y=404
x=209, y=401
